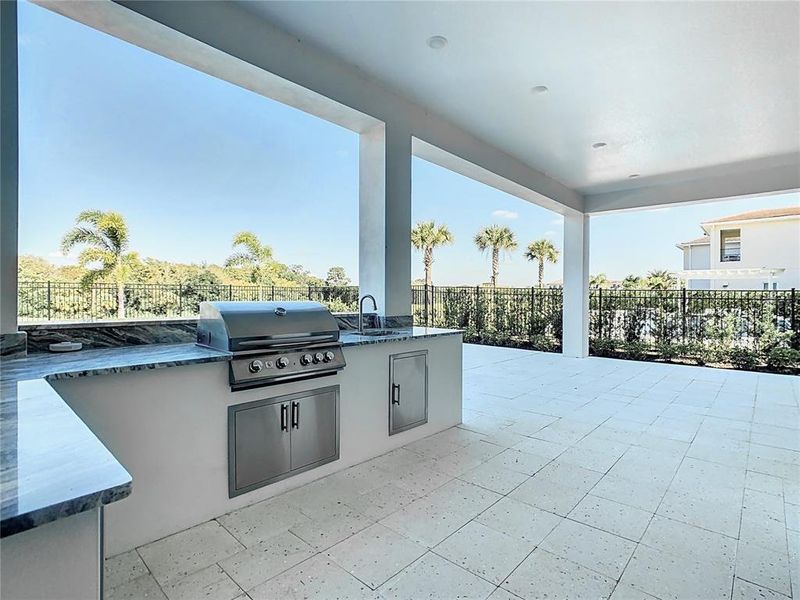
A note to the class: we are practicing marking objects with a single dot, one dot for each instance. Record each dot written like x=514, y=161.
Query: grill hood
x=253, y=326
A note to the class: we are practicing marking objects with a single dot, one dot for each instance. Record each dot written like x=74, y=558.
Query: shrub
x=669, y=351
x=783, y=358
x=544, y=343
x=601, y=347
x=635, y=350
x=743, y=358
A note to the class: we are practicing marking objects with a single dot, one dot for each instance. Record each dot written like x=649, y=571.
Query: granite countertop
x=101, y=361
x=352, y=338
x=53, y=465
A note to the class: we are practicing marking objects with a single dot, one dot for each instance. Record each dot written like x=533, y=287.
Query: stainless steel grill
x=272, y=342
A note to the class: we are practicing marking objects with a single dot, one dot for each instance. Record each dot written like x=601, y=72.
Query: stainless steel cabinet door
x=260, y=444
x=315, y=427
x=408, y=390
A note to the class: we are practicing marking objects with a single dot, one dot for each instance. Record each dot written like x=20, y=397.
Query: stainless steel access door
x=408, y=390
x=259, y=444
x=315, y=427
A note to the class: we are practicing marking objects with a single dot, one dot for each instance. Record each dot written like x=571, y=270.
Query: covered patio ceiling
x=677, y=91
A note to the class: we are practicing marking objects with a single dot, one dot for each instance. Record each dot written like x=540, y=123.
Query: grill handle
x=300, y=342
x=296, y=415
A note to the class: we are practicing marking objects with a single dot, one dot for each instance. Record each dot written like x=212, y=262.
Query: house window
x=730, y=245
x=766, y=285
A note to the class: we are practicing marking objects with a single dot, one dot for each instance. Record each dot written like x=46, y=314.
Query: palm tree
x=105, y=237
x=542, y=250
x=496, y=237
x=661, y=279
x=599, y=280
x=426, y=236
x=251, y=254
x=631, y=282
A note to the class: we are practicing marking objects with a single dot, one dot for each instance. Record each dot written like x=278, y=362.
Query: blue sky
x=190, y=160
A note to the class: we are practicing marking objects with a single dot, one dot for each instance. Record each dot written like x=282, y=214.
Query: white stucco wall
x=768, y=243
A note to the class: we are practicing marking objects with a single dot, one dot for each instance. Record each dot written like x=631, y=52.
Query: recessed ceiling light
x=599, y=145
x=437, y=42
x=633, y=176
x=539, y=89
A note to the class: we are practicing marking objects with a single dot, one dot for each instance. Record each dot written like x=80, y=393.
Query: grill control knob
x=329, y=356
x=306, y=359
x=256, y=366
x=318, y=357
x=282, y=362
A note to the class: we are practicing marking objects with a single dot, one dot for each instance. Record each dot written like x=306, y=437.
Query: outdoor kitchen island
x=164, y=417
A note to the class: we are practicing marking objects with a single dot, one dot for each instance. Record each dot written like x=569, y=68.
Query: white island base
x=168, y=428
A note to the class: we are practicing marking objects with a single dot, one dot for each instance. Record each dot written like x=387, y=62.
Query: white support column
x=576, y=285
x=9, y=207
x=384, y=248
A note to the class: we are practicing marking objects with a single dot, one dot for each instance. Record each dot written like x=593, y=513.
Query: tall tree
x=104, y=235
x=541, y=251
x=427, y=236
x=599, y=280
x=661, y=279
x=496, y=238
x=337, y=276
x=631, y=282
x=252, y=256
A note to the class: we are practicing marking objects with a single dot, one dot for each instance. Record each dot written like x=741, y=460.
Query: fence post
x=426, y=307
x=273, y=293
x=683, y=314
x=180, y=299
x=478, y=309
x=433, y=306
x=230, y=292
x=792, y=320
x=599, y=313
x=49, y=300
x=532, y=312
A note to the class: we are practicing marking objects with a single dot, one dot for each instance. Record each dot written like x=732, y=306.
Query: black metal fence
x=57, y=301
x=707, y=326
x=525, y=317
x=659, y=317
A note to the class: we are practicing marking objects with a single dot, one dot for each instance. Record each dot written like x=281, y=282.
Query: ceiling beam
x=773, y=175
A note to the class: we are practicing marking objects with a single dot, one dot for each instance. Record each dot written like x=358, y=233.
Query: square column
x=576, y=285
x=384, y=215
x=9, y=213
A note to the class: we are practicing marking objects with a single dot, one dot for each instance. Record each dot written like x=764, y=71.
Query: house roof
x=696, y=242
x=753, y=215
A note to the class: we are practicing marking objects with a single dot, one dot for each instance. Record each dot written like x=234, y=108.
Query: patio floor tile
x=318, y=577
x=595, y=549
x=434, y=577
x=485, y=552
x=613, y=517
x=375, y=554
x=543, y=575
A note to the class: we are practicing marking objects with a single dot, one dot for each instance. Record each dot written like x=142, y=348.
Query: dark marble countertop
x=102, y=361
x=53, y=466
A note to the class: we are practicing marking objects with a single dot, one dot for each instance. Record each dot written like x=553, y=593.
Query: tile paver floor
x=568, y=478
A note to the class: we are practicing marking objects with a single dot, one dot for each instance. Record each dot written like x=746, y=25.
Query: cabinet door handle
x=296, y=415
x=396, y=396
x=284, y=417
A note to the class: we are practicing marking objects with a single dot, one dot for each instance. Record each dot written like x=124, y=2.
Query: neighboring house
x=756, y=250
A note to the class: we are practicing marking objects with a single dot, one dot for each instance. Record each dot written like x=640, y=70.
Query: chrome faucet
x=361, y=310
